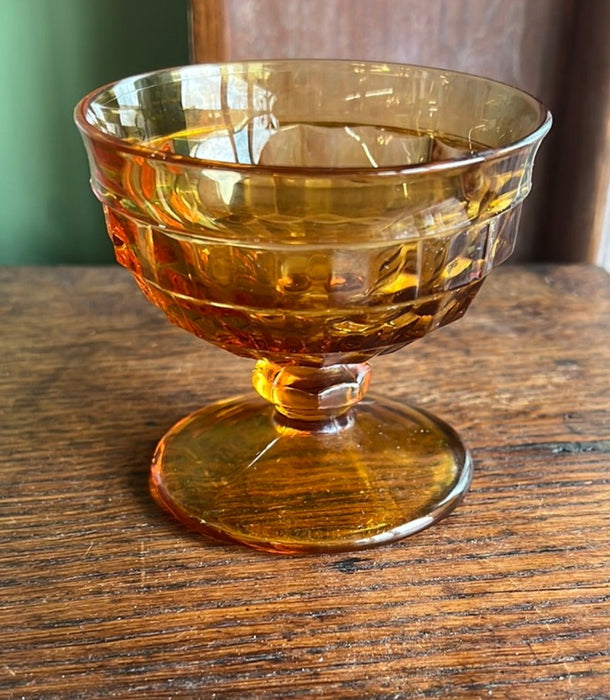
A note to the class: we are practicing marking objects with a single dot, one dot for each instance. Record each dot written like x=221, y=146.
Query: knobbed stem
x=312, y=394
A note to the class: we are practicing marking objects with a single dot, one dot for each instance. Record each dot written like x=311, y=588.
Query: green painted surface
x=52, y=52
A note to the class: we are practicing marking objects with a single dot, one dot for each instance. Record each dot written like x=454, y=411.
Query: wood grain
x=104, y=596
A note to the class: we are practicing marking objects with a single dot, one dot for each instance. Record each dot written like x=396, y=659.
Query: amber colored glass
x=311, y=215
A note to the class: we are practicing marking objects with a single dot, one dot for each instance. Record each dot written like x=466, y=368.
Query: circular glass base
x=239, y=471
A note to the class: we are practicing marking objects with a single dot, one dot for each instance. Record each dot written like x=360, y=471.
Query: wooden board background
x=102, y=595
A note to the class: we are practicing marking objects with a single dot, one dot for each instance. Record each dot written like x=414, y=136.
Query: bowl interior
x=313, y=114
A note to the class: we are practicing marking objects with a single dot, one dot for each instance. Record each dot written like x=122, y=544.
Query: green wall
x=52, y=52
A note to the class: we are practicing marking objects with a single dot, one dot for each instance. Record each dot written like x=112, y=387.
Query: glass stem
x=315, y=396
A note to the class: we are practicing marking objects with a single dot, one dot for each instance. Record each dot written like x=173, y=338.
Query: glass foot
x=240, y=471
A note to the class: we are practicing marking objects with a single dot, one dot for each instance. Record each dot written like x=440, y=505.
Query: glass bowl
x=310, y=215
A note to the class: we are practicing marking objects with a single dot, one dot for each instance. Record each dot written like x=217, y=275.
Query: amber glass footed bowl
x=310, y=215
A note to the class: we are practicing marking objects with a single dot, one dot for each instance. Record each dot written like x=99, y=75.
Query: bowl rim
x=533, y=138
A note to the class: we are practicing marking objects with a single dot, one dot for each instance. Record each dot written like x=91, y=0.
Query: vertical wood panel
x=207, y=20
x=580, y=191
x=521, y=42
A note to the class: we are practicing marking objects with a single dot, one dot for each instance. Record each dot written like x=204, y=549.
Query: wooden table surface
x=103, y=595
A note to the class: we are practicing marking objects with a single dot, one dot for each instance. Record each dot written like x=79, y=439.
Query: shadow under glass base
x=382, y=472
